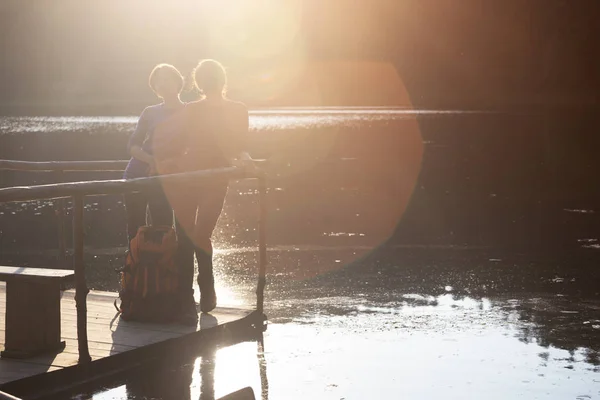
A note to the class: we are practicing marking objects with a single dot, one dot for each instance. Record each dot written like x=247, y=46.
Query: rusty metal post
x=81, y=290
x=262, y=243
x=59, y=210
x=262, y=368
x=62, y=233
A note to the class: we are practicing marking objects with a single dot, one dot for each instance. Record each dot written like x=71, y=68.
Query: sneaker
x=208, y=300
x=188, y=314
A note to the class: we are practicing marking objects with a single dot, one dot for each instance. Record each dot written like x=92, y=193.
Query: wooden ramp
x=113, y=343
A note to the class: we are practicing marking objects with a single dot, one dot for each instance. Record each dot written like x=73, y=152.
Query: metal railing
x=77, y=191
x=59, y=168
x=6, y=396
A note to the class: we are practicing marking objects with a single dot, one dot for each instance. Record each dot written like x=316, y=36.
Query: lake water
x=413, y=254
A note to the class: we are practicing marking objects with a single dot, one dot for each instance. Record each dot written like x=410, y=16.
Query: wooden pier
x=97, y=342
x=114, y=344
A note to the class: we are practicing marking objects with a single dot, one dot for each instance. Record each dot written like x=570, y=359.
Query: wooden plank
x=111, y=348
x=218, y=316
x=63, y=378
x=126, y=334
x=105, y=300
x=101, y=311
x=20, y=273
x=11, y=370
x=69, y=318
x=97, y=349
x=47, y=166
x=69, y=356
x=136, y=334
x=108, y=335
x=62, y=359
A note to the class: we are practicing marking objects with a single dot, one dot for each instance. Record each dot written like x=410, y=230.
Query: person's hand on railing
x=168, y=166
x=152, y=168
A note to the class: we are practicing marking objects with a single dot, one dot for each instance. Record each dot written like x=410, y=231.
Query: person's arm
x=138, y=153
x=137, y=140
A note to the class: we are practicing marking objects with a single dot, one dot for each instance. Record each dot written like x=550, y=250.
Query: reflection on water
x=220, y=371
x=374, y=330
x=457, y=304
x=421, y=346
x=268, y=119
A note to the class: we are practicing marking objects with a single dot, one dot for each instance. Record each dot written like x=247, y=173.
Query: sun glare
x=257, y=29
x=249, y=33
x=227, y=370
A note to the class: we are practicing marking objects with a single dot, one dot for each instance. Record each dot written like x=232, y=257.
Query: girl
x=166, y=82
x=214, y=132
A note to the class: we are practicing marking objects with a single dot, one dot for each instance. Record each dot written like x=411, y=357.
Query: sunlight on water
x=15, y=125
x=233, y=368
x=465, y=346
x=421, y=347
x=358, y=110
x=226, y=293
x=375, y=329
x=260, y=120
x=227, y=297
x=342, y=234
x=112, y=394
x=437, y=365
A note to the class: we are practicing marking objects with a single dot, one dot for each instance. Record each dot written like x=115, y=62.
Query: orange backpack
x=150, y=278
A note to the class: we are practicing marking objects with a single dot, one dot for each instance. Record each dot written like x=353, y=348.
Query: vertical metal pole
x=62, y=245
x=262, y=243
x=59, y=210
x=6, y=396
x=262, y=368
x=81, y=289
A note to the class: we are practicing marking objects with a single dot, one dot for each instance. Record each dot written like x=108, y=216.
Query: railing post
x=262, y=368
x=59, y=210
x=262, y=243
x=81, y=289
x=62, y=243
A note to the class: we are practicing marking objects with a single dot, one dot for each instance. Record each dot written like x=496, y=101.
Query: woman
x=167, y=83
x=214, y=132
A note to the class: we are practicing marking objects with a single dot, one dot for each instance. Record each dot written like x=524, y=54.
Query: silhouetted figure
x=209, y=133
x=166, y=81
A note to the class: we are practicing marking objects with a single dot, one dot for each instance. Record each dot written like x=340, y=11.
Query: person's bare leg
x=184, y=207
x=209, y=210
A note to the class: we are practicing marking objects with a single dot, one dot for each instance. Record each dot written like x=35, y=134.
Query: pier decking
x=110, y=337
x=97, y=342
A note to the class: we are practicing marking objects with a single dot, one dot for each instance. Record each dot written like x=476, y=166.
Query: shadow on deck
x=116, y=345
